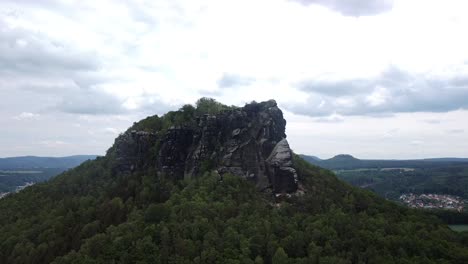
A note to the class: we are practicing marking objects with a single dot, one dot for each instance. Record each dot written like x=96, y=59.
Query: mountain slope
x=131, y=206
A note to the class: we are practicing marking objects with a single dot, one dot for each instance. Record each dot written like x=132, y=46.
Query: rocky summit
x=248, y=142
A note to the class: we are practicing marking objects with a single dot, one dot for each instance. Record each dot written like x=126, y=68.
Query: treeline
x=452, y=217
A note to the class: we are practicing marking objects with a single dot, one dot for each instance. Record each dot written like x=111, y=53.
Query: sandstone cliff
x=249, y=142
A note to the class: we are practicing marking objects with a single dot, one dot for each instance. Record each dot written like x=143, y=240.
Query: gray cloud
x=336, y=88
x=35, y=55
x=417, y=142
x=391, y=77
x=151, y=104
x=433, y=121
x=353, y=7
x=90, y=103
x=394, y=91
x=455, y=131
x=329, y=119
x=392, y=133
x=229, y=80
x=96, y=102
x=25, y=51
x=57, y=77
x=141, y=12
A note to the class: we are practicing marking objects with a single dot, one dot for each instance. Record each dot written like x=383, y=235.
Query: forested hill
x=213, y=184
x=31, y=162
x=348, y=162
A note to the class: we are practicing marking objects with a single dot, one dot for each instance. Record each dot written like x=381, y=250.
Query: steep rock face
x=284, y=176
x=248, y=142
x=134, y=149
x=174, y=150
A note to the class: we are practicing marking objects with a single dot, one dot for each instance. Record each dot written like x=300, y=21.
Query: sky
x=375, y=79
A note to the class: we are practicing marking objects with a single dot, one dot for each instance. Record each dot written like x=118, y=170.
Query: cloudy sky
x=372, y=78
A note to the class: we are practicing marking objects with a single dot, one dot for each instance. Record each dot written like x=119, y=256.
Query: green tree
x=156, y=213
x=209, y=106
x=258, y=260
x=280, y=257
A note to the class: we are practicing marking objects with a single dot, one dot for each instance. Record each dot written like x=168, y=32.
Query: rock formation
x=249, y=142
x=133, y=149
x=280, y=166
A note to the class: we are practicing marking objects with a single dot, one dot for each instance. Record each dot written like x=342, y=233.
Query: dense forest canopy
x=97, y=214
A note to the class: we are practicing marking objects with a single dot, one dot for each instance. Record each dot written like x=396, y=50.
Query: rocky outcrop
x=280, y=165
x=249, y=142
x=134, y=150
x=174, y=151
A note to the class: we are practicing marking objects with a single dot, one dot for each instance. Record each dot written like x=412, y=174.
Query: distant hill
x=16, y=172
x=391, y=178
x=448, y=159
x=348, y=162
x=31, y=162
x=314, y=158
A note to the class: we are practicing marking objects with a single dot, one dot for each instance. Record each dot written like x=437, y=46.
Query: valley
x=393, y=178
x=438, y=186
x=16, y=173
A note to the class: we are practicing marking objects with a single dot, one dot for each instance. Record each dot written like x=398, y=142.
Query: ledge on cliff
x=248, y=142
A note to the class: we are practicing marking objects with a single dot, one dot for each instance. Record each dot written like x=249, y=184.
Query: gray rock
x=236, y=132
x=248, y=142
x=133, y=150
x=281, y=156
x=284, y=176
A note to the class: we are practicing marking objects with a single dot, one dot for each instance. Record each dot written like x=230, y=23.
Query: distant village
x=433, y=201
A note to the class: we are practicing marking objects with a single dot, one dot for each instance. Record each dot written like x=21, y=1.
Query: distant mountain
x=347, y=162
x=31, y=162
x=343, y=157
x=448, y=159
x=311, y=159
